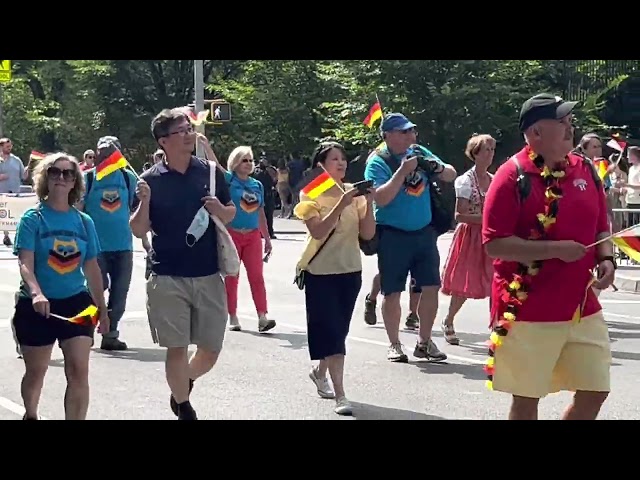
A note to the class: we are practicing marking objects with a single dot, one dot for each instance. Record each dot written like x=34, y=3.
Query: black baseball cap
x=544, y=106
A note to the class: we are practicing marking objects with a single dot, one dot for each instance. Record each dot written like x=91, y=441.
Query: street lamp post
x=198, y=87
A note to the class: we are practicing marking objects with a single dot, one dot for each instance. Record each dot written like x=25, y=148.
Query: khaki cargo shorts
x=536, y=359
x=187, y=311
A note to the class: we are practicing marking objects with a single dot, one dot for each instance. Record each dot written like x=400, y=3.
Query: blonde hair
x=236, y=157
x=41, y=180
x=476, y=142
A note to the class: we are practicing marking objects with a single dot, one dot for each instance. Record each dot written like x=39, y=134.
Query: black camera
x=426, y=164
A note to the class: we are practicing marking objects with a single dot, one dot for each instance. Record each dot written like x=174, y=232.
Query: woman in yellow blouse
x=333, y=278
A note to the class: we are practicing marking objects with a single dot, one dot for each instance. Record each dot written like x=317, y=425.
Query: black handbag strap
x=323, y=244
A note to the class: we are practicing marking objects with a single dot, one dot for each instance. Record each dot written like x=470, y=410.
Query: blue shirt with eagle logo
x=410, y=210
x=110, y=204
x=61, y=242
x=248, y=197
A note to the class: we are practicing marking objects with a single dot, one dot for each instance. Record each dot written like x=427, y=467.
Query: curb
x=627, y=284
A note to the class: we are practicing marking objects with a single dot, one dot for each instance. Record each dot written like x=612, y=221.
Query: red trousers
x=250, y=251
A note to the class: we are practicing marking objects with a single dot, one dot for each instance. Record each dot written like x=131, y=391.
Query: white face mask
x=198, y=227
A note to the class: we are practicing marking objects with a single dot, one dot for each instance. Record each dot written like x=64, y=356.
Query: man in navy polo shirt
x=408, y=243
x=186, y=297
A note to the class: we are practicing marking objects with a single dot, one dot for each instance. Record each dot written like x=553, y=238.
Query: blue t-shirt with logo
x=109, y=203
x=410, y=210
x=61, y=242
x=248, y=197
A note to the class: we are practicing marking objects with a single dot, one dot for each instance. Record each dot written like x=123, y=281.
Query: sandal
x=450, y=334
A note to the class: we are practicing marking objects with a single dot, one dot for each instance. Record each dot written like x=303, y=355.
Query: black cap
x=544, y=106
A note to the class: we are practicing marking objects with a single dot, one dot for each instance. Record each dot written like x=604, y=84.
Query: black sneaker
x=413, y=322
x=186, y=411
x=113, y=345
x=172, y=401
x=24, y=417
x=370, y=311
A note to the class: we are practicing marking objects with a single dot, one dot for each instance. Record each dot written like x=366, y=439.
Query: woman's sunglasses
x=67, y=174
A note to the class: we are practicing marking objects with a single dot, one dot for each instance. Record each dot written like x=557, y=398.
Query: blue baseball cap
x=396, y=121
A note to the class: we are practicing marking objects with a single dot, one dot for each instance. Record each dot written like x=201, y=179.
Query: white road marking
x=14, y=407
x=605, y=301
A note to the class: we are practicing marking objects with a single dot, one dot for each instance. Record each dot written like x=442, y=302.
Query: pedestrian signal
x=220, y=112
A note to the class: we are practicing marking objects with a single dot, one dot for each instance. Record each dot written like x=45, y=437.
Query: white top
x=633, y=195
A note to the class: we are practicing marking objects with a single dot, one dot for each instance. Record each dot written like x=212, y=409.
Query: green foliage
x=287, y=106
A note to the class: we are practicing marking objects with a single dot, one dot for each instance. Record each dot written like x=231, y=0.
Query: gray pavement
x=265, y=376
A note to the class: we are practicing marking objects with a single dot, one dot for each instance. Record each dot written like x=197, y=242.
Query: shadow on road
x=625, y=356
x=365, y=411
x=471, y=372
x=150, y=355
x=623, y=325
x=297, y=341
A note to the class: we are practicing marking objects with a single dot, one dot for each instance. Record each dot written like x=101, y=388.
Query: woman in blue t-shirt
x=57, y=247
x=247, y=229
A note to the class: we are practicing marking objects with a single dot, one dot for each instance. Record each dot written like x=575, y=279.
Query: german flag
x=375, y=114
x=113, y=162
x=602, y=165
x=36, y=156
x=628, y=241
x=197, y=119
x=88, y=315
x=318, y=181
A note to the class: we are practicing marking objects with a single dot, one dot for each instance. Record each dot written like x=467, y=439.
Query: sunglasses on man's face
x=67, y=174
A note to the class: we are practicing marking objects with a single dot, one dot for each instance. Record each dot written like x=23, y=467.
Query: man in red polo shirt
x=543, y=210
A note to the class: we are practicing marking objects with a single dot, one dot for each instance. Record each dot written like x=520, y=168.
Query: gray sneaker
x=370, y=317
x=429, y=351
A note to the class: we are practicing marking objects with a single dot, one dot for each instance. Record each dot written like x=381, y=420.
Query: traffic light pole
x=198, y=87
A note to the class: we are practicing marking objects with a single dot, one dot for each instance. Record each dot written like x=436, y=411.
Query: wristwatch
x=610, y=258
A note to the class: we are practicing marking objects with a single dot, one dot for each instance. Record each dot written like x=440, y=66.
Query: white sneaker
x=234, y=323
x=343, y=407
x=395, y=354
x=322, y=384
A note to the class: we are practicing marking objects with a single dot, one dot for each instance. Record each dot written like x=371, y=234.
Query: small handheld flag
x=317, y=182
x=628, y=241
x=113, y=162
x=617, y=143
x=36, y=156
x=197, y=119
x=88, y=316
x=602, y=166
x=375, y=114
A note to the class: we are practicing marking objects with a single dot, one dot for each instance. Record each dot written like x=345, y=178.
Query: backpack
x=441, y=216
x=523, y=180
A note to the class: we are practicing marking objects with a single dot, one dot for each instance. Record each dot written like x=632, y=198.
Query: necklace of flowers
x=515, y=292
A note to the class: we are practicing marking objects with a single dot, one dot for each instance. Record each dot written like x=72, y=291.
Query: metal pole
x=1, y=113
x=198, y=86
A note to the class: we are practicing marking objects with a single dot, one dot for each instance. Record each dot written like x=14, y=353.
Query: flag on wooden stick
x=628, y=241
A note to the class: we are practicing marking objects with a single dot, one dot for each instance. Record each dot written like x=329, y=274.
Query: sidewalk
x=628, y=279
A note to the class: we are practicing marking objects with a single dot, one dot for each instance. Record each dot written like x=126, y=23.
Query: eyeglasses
x=182, y=131
x=67, y=174
x=247, y=160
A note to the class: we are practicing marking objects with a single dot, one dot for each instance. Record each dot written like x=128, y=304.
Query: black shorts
x=34, y=330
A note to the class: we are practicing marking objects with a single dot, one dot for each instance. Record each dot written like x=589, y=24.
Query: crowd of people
x=521, y=240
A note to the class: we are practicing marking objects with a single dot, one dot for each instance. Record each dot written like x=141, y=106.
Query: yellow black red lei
x=515, y=292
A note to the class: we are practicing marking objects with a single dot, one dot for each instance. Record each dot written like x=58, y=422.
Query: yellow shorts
x=536, y=359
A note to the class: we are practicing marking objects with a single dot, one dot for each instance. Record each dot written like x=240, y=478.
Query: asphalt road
x=265, y=376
